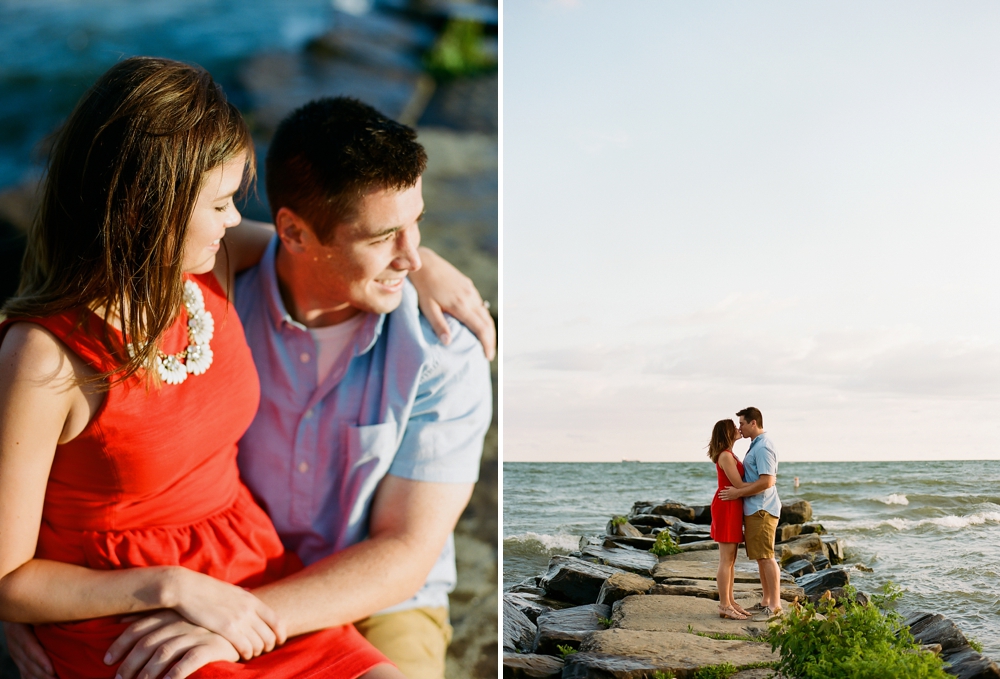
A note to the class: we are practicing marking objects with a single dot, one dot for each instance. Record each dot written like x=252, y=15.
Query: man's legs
x=416, y=640
x=770, y=582
x=759, y=529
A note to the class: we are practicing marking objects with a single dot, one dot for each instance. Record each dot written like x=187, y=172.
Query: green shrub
x=664, y=544
x=618, y=521
x=976, y=646
x=664, y=675
x=850, y=641
x=458, y=51
x=607, y=622
x=565, y=650
x=723, y=671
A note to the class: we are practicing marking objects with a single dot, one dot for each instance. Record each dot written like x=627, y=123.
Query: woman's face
x=214, y=212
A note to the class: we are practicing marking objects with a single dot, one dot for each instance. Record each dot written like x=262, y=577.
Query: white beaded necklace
x=197, y=357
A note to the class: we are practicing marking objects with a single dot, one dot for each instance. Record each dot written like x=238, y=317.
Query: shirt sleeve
x=443, y=439
x=767, y=461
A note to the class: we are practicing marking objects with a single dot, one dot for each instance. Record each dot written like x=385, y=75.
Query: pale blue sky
x=782, y=204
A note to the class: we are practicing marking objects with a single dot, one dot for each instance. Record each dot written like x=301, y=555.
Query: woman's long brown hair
x=122, y=181
x=724, y=435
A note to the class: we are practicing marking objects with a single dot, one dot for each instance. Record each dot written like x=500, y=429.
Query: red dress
x=727, y=515
x=152, y=480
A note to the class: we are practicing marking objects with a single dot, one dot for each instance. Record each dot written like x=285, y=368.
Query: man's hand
x=156, y=642
x=730, y=493
x=27, y=653
x=441, y=289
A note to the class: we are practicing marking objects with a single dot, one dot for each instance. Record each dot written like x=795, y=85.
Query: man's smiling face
x=366, y=261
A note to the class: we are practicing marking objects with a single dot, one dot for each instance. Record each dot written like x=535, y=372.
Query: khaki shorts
x=758, y=533
x=416, y=640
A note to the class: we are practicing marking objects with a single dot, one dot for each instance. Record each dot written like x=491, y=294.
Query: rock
x=823, y=580
x=928, y=628
x=698, y=571
x=834, y=548
x=787, y=531
x=707, y=589
x=530, y=606
x=644, y=543
x=703, y=514
x=575, y=580
x=656, y=520
x=838, y=593
x=796, y=511
x=676, y=613
x=799, y=568
x=968, y=663
x=634, y=654
x=667, y=508
x=808, y=528
x=798, y=548
x=518, y=630
x=699, y=546
x=568, y=627
x=681, y=527
x=624, y=558
x=820, y=561
x=621, y=585
x=531, y=666
x=625, y=530
x=690, y=538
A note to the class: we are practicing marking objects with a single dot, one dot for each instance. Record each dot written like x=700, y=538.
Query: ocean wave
x=538, y=543
x=950, y=521
x=893, y=499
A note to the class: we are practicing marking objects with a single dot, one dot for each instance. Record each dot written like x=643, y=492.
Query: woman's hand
x=441, y=289
x=229, y=611
x=26, y=652
x=158, y=641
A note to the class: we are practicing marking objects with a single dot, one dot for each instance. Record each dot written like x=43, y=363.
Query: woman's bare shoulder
x=30, y=351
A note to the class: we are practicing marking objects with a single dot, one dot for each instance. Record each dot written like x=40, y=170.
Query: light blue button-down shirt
x=761, y=459
x=396, y=402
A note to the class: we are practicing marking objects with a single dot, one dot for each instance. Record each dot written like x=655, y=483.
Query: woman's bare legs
x=725, y=575
x=732, y=580
x=382, y=672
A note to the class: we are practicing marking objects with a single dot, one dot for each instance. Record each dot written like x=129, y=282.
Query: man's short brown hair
x=749, y=414
x=326, y=155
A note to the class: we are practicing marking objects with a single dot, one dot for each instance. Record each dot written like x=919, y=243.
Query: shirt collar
x=367, y=335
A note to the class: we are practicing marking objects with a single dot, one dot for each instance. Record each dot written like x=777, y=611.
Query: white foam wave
x=894, y=499
x=949, y=521
x=540, y=542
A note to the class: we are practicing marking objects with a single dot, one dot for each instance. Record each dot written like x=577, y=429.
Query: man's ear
x=292, y=230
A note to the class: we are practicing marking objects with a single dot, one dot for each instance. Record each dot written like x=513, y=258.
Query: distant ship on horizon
x=631, y=461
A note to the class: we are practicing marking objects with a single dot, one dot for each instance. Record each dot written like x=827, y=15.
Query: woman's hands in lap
x=166, y=641
x=233, y=613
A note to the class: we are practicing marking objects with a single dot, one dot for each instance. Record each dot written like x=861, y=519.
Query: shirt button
x=309, y=413
x=303, y=467
x=304, y=357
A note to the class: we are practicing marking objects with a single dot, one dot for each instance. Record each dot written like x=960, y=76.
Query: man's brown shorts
x=758, y=533
x=415, y=639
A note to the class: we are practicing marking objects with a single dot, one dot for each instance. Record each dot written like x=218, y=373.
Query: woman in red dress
x=727, y=515
x=125, y=384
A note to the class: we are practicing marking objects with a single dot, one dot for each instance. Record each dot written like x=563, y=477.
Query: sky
x=793, y=206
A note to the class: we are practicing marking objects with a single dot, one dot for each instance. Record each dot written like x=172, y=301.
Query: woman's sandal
x=730, y=613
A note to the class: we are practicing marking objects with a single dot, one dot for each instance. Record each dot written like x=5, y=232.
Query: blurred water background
x=931, y=527
x=428, y=63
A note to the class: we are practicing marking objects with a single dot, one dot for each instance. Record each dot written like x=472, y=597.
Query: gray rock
x=796, y=511
x=568, y=627
x=798, y=548
x=644, y=543
x=834, y=548
x=601, y=666
x=823, y=580
x=621, y=585
x=799, y=568
x=933, y=628
x=657, y=520
x=518, y=630
x=531, y=666
x=808, y=528
x=530, y=606
x=703, y=514
x=575, y=580
x=625, y=530
x=787, y=531
x=624, y=558
x=666, y=508
x=968, y=663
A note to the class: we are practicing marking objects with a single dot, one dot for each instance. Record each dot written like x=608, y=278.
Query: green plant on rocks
x=664, y=675
x=565, y=650
x=976, y=646
x=607, y=622
x=723, y=671
x=618, y=521
x=664, y=544
x=850, y=641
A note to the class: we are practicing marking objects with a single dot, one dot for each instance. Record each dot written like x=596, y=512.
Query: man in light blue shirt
x=761, y=508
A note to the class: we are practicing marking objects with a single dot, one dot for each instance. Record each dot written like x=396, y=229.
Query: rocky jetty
x=615, y=610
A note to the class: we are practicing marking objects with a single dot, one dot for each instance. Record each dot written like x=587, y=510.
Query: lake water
x=931, y=527
x=51, y=51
